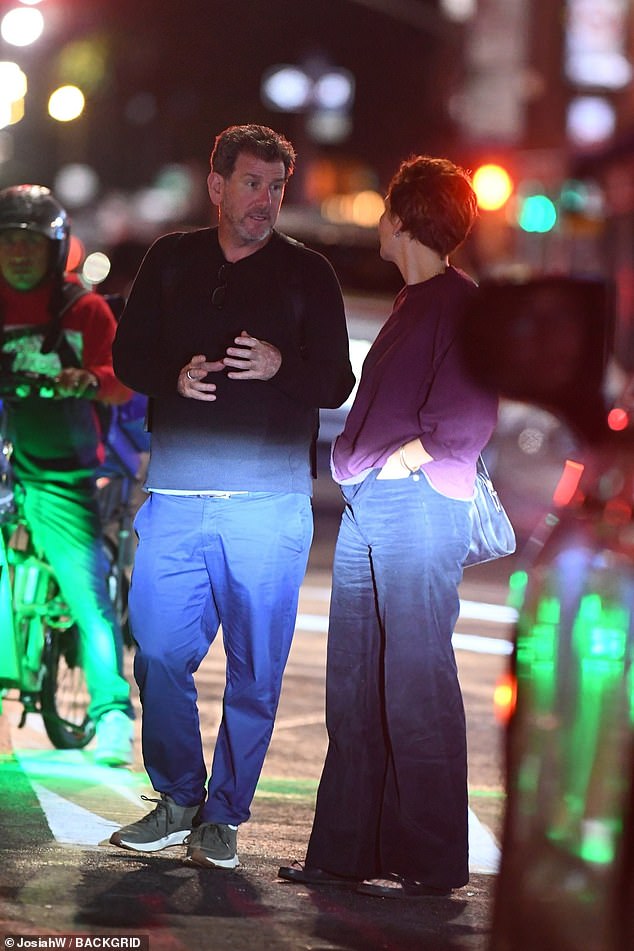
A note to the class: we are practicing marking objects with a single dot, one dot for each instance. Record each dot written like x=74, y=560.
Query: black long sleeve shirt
x=257, y=435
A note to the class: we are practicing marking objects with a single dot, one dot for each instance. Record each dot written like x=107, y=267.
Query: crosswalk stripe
x=72, y=824
x=477, y=643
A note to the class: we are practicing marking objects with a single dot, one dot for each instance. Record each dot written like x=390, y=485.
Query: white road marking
x=496, y=613
x=482, y=645
x=484, y=853
x=480, y=611
x=72, y=824
x=292, y=723
x=313, y=623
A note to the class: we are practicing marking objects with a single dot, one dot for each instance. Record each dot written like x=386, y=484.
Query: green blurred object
x=569, y=743
x=9, y=657
x=566, y=879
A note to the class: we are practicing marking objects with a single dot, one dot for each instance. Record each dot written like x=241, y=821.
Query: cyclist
x=57, y=443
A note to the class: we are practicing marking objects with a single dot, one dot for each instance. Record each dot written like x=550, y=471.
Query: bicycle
x=39, y=648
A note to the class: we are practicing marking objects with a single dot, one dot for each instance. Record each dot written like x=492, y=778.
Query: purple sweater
x=413, y=385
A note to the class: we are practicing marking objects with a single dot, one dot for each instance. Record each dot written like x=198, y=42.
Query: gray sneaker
x=213, y=844
x=168, y=824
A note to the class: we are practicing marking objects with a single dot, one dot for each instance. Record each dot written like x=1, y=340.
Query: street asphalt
x=61, y=880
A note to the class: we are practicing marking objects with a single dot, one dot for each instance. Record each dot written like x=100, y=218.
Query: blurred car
x=566, y=876
x=365, y=315
x=527, y=455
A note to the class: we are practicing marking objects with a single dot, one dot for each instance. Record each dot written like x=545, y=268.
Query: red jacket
x=57, y=440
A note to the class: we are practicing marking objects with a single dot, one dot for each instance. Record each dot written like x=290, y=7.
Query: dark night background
x=203, y=62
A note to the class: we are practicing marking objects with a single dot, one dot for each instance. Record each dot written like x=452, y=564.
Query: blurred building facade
x=547, y=93
x=541, y=87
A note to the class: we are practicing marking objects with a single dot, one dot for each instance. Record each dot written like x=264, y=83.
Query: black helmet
x=34, y=208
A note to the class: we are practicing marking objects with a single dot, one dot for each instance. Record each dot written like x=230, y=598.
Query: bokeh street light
x=76, y=184
x=325, y=94
x=590, y=121
x=12, y=81
x=96, y=268
x=13, y=86
x=66, y=103
x=459, y=10
x=22, y=26
x=493, y=186
x=286, y=88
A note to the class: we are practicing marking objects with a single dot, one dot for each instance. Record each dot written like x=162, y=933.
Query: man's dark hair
x=435, y=201
x=256, y=140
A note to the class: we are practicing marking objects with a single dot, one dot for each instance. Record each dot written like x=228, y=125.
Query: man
x=50, y=326
x=238, y=335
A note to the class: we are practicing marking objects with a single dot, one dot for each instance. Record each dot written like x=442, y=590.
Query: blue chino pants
x=202, y=562
x=393, y=793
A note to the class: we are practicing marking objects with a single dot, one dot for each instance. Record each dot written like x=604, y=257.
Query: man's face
x=249, y=200
x=24, y=258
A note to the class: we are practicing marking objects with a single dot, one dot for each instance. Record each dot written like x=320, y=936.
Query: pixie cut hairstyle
x=256, y=140
x=435, y=202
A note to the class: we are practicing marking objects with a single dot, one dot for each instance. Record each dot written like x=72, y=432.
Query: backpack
x=123, y=428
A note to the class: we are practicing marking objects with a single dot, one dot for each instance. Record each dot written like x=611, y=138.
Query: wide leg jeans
x=202, y=562
x=393, y=793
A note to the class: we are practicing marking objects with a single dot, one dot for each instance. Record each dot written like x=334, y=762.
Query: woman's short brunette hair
x=435, y=202
x=256, y=140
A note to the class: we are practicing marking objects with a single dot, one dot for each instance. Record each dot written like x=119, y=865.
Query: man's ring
x=190, y=377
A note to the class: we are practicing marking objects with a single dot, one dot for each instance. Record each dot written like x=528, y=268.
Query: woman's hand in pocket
x=393, y=468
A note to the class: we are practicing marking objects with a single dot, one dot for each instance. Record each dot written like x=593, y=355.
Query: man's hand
x=75, y=381
x=193, y=373
x=252, y=359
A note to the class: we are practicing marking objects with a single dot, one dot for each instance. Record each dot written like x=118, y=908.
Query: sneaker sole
x=198, y=857
x=175, y=838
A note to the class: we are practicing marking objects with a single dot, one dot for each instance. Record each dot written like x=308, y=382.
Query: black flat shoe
x=400, y=888
x=311, y=875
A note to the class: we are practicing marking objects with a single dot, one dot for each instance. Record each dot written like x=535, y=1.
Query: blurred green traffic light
x=537, y=213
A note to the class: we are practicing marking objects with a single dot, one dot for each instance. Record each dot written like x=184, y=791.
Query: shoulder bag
x=492, y=534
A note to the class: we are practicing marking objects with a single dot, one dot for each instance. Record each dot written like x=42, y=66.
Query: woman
x=391, y=814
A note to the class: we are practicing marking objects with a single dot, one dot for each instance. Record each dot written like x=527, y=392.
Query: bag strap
x=483, y=473
x=53, y=338
x=482, y=469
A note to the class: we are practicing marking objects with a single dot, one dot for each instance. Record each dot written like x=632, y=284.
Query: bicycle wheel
x=64, y=696
x=118, y=588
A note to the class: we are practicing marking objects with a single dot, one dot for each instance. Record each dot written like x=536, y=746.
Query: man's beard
x=250, y=231
x=253, y=237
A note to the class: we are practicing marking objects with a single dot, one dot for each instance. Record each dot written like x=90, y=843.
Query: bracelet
x=412, y=472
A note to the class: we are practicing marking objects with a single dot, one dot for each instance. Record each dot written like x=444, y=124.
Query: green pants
x=65, y=526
